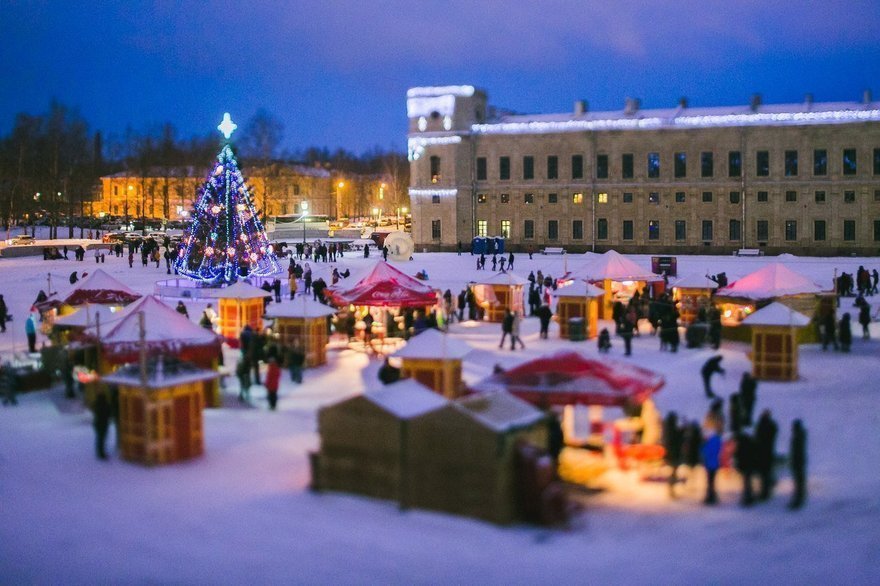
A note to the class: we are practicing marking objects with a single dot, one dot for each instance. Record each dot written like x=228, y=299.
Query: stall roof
x=500, y=411
x=406, y=399
x=568, y=377
x=99, y=287
x=615, y=267
x=86, y=316
x=239, y=290
x=579, y=289
x=383, y=286
x=777, y=314
x=503, y=278
x=160, y=374
x=433, y=343
x=773, y=280
x=694, y=282
x=302, y=306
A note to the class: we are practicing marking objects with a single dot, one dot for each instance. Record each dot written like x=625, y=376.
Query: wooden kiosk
x=617, y=275
x=239, y=304
x=302, y=320
x=578, y=300
x=434, y=359
x=500, y=292
x=774, y=352
x=160, y=410
x=690, y=293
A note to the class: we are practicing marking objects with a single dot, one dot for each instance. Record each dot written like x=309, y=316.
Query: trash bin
x=576, y=329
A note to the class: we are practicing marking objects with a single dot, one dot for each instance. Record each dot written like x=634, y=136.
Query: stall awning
x=774, y=280
x=615, y=267
x=383, y=286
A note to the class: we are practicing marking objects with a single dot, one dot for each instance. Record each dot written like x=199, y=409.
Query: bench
x=553, y=250
x=748, y=252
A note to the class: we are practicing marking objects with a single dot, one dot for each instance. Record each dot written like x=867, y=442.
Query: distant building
x=786, y=177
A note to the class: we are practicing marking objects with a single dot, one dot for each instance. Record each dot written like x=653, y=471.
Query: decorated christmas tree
x=226, y=239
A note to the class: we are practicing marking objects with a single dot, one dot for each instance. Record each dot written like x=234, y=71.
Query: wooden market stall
x=774, y=352
x=98, y=288
x=692, y=293
x=617, y=275
x=72, y=326
x=239, y=304
x=160, y=410
x=498, y=293
x=434, y=359
x=302, y=321
x=162, y=332
x=578, y=300
x=774, y=282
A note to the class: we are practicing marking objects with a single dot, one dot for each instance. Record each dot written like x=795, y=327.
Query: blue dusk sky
x=336, y=72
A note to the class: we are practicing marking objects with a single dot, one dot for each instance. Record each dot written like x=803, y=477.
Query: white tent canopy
x=615, y=267
x=433, y=344
x=302, y=306
x=579, y=289
x=694, y=282
x=774, y=280
x=777, y=314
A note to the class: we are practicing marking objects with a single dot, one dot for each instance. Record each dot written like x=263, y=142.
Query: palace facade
x=801, y=178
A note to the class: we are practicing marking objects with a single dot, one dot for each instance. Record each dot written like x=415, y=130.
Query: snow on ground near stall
x=243, y=512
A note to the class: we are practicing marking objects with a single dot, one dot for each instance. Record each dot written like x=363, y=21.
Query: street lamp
x=376, y=212
x=400, y=211
x=304, y=206
x=339, y=187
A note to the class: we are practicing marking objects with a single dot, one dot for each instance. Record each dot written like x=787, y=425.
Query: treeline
x=50, y=163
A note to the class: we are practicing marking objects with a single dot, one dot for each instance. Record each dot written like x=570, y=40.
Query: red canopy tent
x=99, y=287
x=568, y=378
x=383, y=286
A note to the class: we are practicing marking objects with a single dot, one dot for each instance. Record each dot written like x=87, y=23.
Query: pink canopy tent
x=383, y=286
x=772, y=281
x=166, y=332
x=613, y=266
x=569, y=378
x=98, y=288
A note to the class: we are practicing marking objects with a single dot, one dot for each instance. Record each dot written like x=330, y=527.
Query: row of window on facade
x=654, y=197
x=791, y=165
x=291, y=190
x=707, y=230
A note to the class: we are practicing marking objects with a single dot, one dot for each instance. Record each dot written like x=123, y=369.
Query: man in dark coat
x=714, y=327
x=845, y=333
x=711, y=366
x=745, y=465
x=506, y=327
x=388, y=374
x=545, y=314
x=748, y=393
x=673, y=439
x=101, y=422
x=462, y=303
x=625, y=330
x=797, y=457
x=765, y=452
x=555, y=437
x=4, y=314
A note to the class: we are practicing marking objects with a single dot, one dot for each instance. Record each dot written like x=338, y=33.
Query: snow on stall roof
x=773, y=280
x=500, y=411
x=87, y=316
x=98, y=280
x=302, y=306
x=614, y=266
x=503, y=278
x=433, y=343
x=239, y=290
x=161, y=323
x=579, y=289
x=161, y=374
x=776, y=314
x=694, y=281
x=406, y=399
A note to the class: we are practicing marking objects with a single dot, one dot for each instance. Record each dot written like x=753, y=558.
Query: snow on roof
x=161, y=324
x=579, y=289
x=773, y=280
x=711, y=117
x=99, y=287
x=160, y=374
x=694, y=281
x=614, y=266
x=302, y=306
x=503, y=278
x=776, y=314
x=500, y=411
x=87, y=316
x=382, y=285
x=406, y=399
x=239, y=290
x=433, y=343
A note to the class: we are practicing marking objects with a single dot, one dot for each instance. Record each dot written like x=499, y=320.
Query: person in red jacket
x=273, y=378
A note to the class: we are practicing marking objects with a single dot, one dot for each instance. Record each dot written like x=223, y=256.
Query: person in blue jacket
x=30, y=329
x=711, y=453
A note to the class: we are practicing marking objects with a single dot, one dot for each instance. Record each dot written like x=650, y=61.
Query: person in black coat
x=797, y=456
x=745, y=465
x=101, y=422
x=845, y=332
x=506, y=327
x=734, y=412
x=765, y=453
x=710, y=367
x=545, y=314
x=4, y=314
x=673, y=440
x=625, y=330
x=462, y=303
x=555, y=437
x=604, y=341
x=748, y=394
x=388, y=374
x=865, y=319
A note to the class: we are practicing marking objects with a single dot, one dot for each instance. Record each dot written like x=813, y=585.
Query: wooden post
x=142, y=334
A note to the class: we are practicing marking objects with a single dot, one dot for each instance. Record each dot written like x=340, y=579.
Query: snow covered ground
x=242, y=513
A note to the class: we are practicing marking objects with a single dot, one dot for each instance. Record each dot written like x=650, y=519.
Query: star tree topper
x=227, y=126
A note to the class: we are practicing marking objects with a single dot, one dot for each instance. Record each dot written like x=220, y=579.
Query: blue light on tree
x=226, y=239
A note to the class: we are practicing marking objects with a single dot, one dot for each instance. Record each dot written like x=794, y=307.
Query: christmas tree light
x=226, y=239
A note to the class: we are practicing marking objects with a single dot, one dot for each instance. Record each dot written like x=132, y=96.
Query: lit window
x=505, y=228
x=602, y=198
x=577, y=198
x=481, y=198
x=482, y=227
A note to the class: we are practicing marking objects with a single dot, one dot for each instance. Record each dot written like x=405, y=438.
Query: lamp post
x=400, y=211
x=339, y=187
x=304, y=206
x=376, y=212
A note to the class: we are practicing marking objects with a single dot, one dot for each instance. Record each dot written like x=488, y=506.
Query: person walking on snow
x=101, y=422
x=506, y=327
x=765, y=453
x=30, y=329
x=797, y=457
x=711, y=366
x=273, y=379
x=711, y=455
x=514, y=332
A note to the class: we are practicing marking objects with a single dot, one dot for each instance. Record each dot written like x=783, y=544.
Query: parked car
x=21, y=240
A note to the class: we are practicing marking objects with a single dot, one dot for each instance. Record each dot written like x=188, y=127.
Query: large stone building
x=791, y=177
